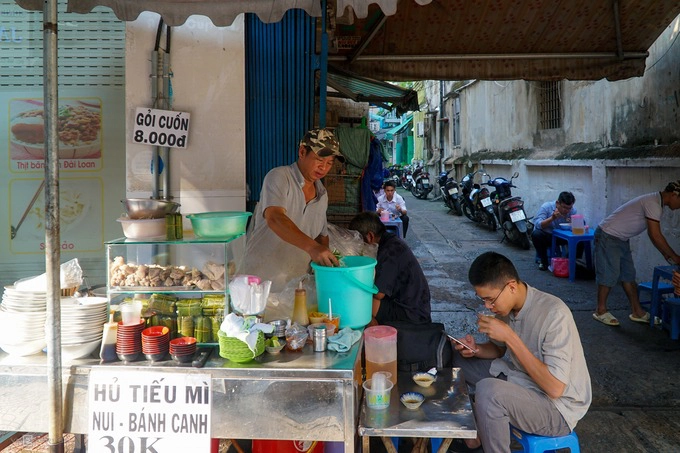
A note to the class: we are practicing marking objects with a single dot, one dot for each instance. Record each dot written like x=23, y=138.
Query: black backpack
x=422, y=346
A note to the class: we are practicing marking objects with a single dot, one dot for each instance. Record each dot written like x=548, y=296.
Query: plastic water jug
x=578, y=224
x=380, y=344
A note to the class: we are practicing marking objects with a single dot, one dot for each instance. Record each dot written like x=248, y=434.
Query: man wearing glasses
x=547, y=219
x=542, y=384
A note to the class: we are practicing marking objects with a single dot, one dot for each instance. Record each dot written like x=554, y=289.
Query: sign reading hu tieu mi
x=148, y=412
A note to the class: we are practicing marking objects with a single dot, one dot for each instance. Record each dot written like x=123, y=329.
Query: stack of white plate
x=22, y=321
x=82, y=324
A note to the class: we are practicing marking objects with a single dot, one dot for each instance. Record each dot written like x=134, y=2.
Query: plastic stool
x=664, y=288
x=532, y=443
x=435, y=443
x=672, y=316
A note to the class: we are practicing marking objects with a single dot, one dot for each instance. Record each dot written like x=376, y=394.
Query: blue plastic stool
x=664, y=288
x=435, y=443
x=532, y=443
x=671, y=316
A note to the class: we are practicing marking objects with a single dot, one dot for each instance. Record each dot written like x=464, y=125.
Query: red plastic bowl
x=155, y=331
x=183, y=341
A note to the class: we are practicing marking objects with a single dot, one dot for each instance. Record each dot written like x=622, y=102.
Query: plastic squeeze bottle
x=108, y=348
x=300, y=315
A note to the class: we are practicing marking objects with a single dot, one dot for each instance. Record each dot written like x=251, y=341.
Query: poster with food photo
x=80, y=215
x=79, y=126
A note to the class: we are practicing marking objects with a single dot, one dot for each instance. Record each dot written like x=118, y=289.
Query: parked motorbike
x=483, y=205
x=509, y=211
x=467, y=186
x=395, y=172
x=407, y=177
x=450, y=191
x=421, y=186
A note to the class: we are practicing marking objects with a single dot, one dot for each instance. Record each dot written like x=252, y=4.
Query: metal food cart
x=292, y=395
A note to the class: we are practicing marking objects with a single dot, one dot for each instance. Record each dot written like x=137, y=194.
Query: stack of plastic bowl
x=22, y=321
x=129, y=341
x=182, y=349
x=82, y=322
x=156, y=342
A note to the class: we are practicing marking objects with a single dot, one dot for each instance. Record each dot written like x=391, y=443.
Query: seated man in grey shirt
x=542, y=384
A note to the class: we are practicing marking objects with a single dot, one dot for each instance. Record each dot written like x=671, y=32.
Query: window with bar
x=549, y=106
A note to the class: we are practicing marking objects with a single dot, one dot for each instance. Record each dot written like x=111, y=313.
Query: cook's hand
x=323, y=256
x=494, y=328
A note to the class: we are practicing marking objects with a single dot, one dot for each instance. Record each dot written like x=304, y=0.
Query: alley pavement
x=634, y=368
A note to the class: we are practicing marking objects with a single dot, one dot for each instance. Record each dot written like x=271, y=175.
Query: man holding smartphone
x=542, y=384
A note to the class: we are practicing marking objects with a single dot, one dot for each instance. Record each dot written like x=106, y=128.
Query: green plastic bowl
x=222, y=224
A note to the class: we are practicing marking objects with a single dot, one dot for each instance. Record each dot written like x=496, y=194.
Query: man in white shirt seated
x=394, y=203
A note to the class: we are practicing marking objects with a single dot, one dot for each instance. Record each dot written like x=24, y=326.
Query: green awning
x=376, y=92
x=396, y=130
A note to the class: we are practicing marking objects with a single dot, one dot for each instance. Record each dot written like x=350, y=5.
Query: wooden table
x=446, y=414
x=572, y=242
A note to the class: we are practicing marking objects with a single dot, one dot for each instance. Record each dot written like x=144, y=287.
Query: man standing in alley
x=613, y=258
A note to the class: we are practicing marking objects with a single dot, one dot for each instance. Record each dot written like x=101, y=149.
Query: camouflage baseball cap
x=323, y=142
x=673, y=187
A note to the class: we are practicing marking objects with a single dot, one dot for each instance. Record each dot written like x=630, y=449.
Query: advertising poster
x=91, y=140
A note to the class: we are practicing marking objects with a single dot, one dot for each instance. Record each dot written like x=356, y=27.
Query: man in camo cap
x=290, y=226
x=613, y=258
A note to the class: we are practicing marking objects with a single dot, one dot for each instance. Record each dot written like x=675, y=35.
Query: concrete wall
x=208, y=82
x=599, y=187
x=503, y=116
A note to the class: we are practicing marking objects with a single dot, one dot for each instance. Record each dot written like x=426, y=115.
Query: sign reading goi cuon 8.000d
x=150, y=412
x=161, y=127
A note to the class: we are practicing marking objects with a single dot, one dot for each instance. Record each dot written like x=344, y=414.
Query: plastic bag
x=70, y=274
x=249, y=294
x=349, y=242
x=280, y=305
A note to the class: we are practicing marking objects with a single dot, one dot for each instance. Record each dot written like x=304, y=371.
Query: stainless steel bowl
x=148, y=208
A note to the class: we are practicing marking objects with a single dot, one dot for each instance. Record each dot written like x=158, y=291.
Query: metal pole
x=52, y=236
x=323, y=69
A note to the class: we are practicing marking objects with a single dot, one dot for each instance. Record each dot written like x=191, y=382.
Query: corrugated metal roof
x=396, y=130
x=454, y=39
x=382, y=94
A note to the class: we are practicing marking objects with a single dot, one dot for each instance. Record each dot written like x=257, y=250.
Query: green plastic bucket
x=350, y=288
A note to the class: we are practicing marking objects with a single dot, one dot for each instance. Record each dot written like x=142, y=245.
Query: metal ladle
x=15, y=229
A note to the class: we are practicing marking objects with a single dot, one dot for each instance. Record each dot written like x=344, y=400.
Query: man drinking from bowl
x=547, y=219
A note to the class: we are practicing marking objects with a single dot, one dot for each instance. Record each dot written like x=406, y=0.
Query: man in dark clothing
x=403, y=292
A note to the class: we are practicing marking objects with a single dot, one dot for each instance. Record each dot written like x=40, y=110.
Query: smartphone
x=461, y=343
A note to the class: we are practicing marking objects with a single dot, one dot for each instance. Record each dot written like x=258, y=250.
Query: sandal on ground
x=643, y=319
x=607, y=318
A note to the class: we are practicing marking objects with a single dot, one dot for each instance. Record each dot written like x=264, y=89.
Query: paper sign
x=151, y=412
x=161, y=127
